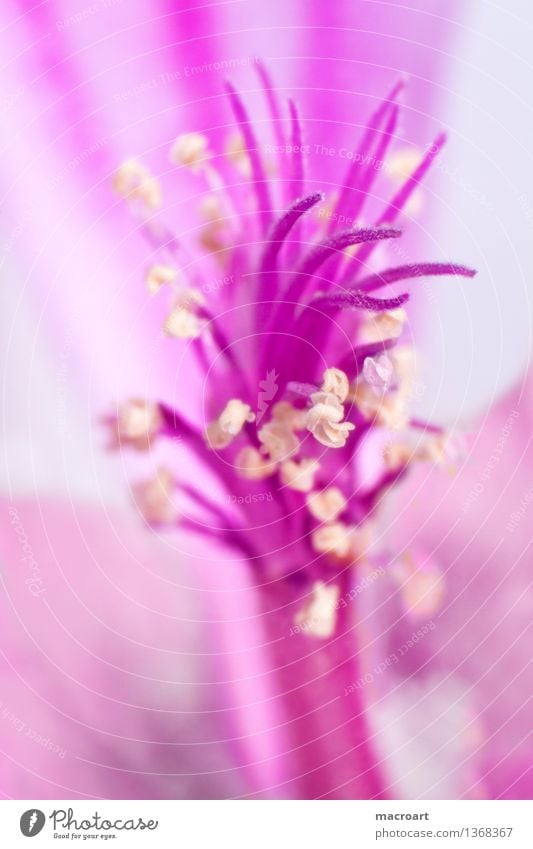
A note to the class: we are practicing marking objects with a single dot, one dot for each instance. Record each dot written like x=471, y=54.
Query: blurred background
x=111, y=685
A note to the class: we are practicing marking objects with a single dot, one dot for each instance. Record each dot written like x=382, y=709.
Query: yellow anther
x=191, y=151
x=252, y=465
x=318, y=616
x=326, y=505
x=229, y=424
x=134, y=182
x=157, y=276
x=183, y=321
x=299, y=475
x=153, y=497
x=137, y=423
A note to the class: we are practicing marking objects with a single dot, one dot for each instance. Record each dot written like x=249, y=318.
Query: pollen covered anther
x=191, y=151
x=137, y=423
x=237, y=154
x=158, y=276
x=386, y=404
x=183, y=322
x=326, y=505
x=134, y=182
x=435, y=448
x=332, y=539
x=383, y=325
x=325, y=418
x=229, y=424
x=421, y=584
x=278, y=441
x=299, y=475
x=251, y=464
x=153, y=497
x=318, y=616
x=290, y=416
x=335, y=381
x=324, y=421
x=378, y=372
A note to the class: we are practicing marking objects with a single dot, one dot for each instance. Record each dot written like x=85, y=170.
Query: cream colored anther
x=134, y=182
x=278, y=441
x=229, y=424
x=318, y=616
x=326, y=505
x=252, y=465
x=299, y=475
x=183, y=322
x=137, y=423
x=153, y=497
x=324, y=420
x=384, y=325
x=190, y=150
x=158, y=276
x=332, y=539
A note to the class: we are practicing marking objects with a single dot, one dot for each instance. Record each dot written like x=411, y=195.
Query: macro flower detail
x=299, y=357
x=136, y=424
x=317, y=618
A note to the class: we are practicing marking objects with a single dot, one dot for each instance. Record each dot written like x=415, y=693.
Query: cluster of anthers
x=303, y=364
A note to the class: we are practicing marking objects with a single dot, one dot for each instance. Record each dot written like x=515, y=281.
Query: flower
x=103, y=87
x=300, y=299
x=301, y=362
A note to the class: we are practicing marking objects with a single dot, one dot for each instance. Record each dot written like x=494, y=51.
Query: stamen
x=324, y=419
x=252, y=465
x=299, y=476
x=191, y=151
x=237, y=155
x=389, y=409
x=134, y=182
x=336, y=381
x=378, y=372
x=384, y=325
x=210, y=208
x=396, y=455
x=278, y=440
x=183, y=322
x=290, y=416
x=318, y=616
x=327, y=505
x=137, y=424
x=333, y=539
x=153, y=498
x=157, y=276
x=229, y=424
x=421, y=585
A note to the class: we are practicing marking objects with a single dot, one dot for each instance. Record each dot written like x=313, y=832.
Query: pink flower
x=89, y=101
x=296, y=386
